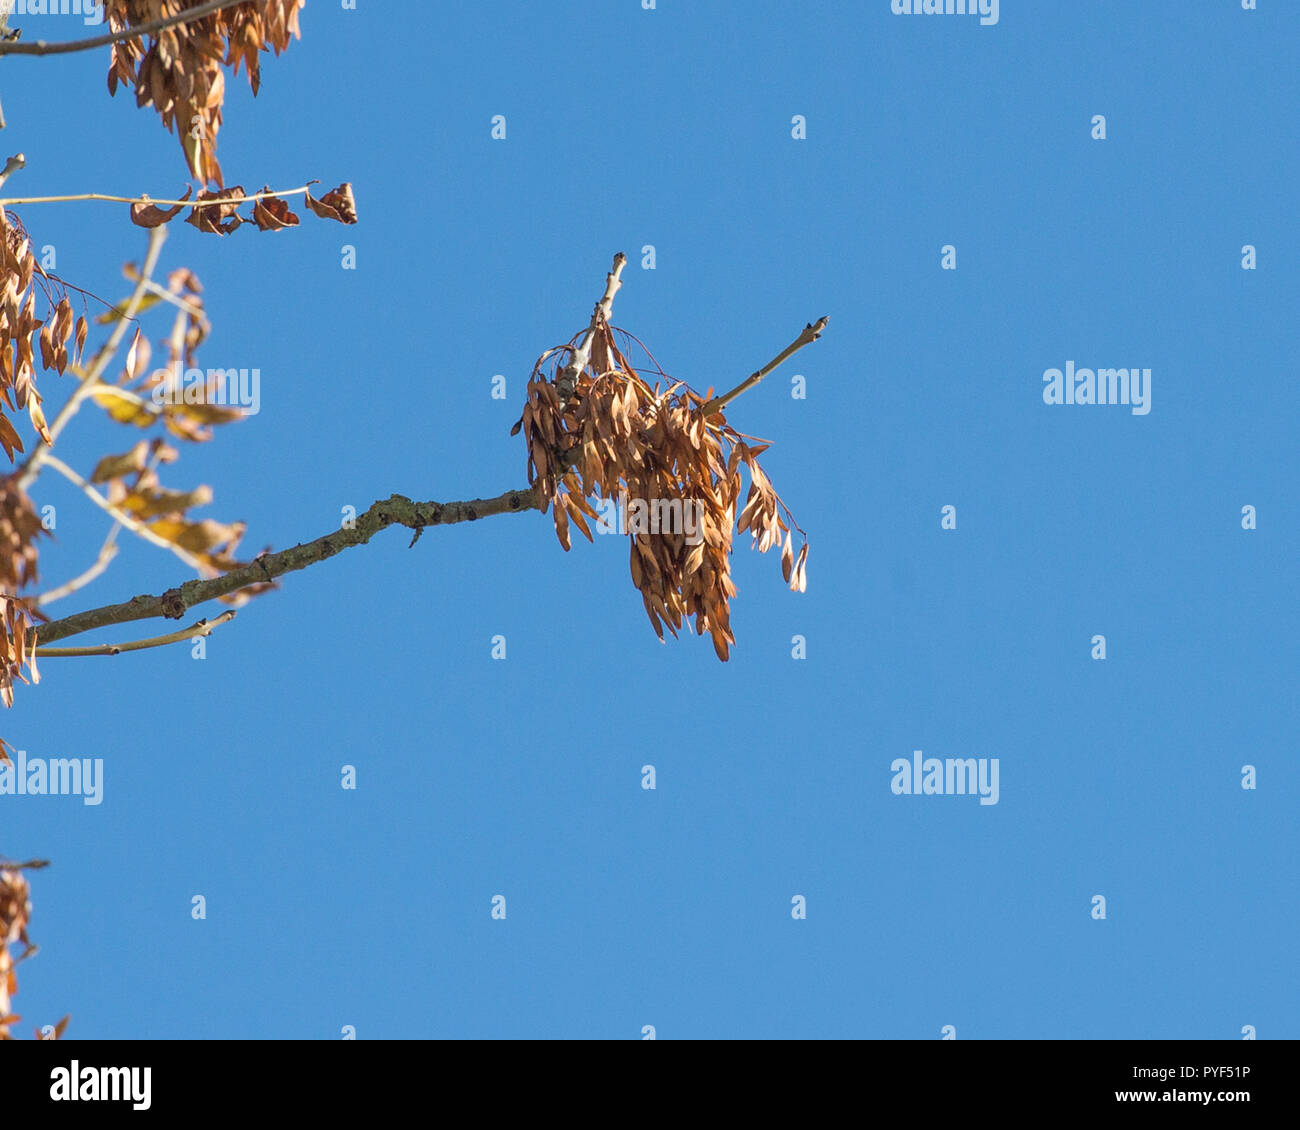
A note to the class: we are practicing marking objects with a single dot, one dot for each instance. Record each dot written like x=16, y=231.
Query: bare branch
x=202, y=628
x=397, y=510
x=106, y=554
x=41, y=47
x=582, y=355
x=16, y=162
x=810, y=333
x=191, y=203
x=173, y=299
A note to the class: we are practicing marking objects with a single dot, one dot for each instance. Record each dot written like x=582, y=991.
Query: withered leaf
x=576, y=515
x=46, y=339
x=197, y=537
x=562, y=523
x=654, y=619
x=62, y=323
x=116, y=466
x=183, y=279
x=154, y=503
x=217, y=212
x=9, y=438
x=206, y=413
x=38, y=419
x=151, y=216
x=637, y=574
x=799, y=581
x=131, y=353
x=337, y=204
x=272, y=214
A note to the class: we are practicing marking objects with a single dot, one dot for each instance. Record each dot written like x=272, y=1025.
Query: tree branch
x=41, y=47
x=16, y=162
x=397, y=510
x=809, y=334
x=582, y=355
x=250, y=198
x=202, y=628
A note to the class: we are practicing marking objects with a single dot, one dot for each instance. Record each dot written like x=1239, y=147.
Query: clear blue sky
x=521, y=777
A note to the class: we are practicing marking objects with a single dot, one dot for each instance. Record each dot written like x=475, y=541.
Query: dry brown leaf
x=217, y=212
x=117, y=466
x=272, y=214
x=337, y=204
x=151, y=216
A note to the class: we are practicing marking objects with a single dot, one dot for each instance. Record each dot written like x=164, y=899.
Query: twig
x=174, y=300
x=16, y=162
x=135, y=526
x=191, y=203
x=809, y=334
x=41, y=47
x=568, y=378
x=106, y=554
x=98, y=364
x=202, y=628
x=397, y=510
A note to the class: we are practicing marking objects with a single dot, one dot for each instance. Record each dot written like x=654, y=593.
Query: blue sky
x=521, y=777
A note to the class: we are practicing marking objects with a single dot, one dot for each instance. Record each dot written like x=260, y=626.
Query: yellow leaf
x=124, y=409
x=118, y=312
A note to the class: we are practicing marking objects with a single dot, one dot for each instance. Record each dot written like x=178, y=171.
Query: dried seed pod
x=675, y=472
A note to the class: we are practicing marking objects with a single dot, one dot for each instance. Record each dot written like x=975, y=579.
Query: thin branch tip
x=810, y=333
